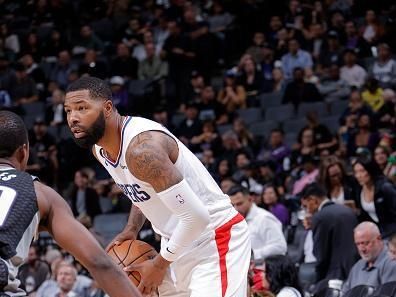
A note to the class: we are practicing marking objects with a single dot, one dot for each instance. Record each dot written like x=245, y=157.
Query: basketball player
x=27, y=206
x=205, y=242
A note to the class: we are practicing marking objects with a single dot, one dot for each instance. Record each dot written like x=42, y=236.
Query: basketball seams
x=134, y=260
x=126, y=254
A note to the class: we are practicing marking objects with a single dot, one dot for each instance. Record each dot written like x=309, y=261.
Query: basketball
x=132, y=251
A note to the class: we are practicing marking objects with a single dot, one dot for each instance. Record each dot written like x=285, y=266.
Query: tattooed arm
x=150, y=157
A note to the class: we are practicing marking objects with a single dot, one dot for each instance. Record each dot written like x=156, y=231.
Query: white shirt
x=308, y=248
x=369, y=207
x=265, y=233
x=355, y=76
x=288, y=292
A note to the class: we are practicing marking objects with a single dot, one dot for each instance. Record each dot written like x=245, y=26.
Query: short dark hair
x=313, y=189
x=238, y=189
x=98, y=88
x=370, y=166
x=13, y=133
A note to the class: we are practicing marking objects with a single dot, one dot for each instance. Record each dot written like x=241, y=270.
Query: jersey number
x=7, y=197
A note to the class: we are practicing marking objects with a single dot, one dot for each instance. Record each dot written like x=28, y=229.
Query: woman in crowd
x=281, y=277
x=339, y=186
x=233, y=95
x=376, y=197
x=271, y=200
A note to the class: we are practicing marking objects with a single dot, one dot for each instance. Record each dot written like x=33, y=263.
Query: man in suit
x=332, y=227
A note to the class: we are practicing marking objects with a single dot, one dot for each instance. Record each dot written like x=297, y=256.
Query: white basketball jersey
x=144, y=196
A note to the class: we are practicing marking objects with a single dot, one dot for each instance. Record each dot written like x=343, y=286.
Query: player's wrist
x=160, y=262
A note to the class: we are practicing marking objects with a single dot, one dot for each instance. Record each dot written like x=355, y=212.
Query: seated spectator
x=88, y=40
x=355, y=41
x=252, y=81
x=83, y=199
x=381, y=156
x=332, y=227
x=63, y=69
x=375, y=266
x=123, y=64
x=372, y=30
x=233, y=95
x=255, y=50
x=191, y=126
x=92, y=66
x=194, y=89
x=295, y=58
x=392, y=247
x=365, y=136
x=373, y=94
x=279, y=82
x=356, y=107
x=332, y=87
x=281, y=277
x=332, y=55
x=352, y=73
x=308, y=173
x=210, y=108
x=245, y=137
x=276, y=150
x=384, y=68
x=9, y=40
x=265, y=229
x=34, y=272
x=23, y=89
x=305, y=147
x=152, y=67
x=55, y=114
x=120, y=93
x=340, y=188
x=219, y=20
x=208, y=140
x=54, y=45
x=272, y=202
x=324, y=140
x=139, y=50
x=376, y=197
x=386, y=115
x=298, y=91
x=34, y=71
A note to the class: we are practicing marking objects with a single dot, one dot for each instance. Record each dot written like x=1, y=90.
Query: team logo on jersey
x=180, y=199
x=134, y=192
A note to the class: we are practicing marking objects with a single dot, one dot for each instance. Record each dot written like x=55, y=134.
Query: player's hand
x=152, y=274
x=121, y=237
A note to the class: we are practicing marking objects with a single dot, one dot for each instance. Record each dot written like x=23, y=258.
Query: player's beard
x=93, y=134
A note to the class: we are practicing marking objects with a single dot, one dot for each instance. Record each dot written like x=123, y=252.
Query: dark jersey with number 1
x=19, y=220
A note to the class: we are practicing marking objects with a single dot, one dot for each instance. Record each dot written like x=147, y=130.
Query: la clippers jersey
x=144, y=196
x=19, y=220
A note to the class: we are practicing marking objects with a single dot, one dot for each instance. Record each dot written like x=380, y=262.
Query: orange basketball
x=132, y=251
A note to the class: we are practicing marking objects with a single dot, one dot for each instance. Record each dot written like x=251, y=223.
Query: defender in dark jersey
x=27, y=206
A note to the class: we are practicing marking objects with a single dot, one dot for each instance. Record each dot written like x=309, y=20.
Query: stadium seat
x=109, y=225
x=250, y=115
x=224, y=128
x=291, y=138
x=280, y=113
x=270, y=99
x=294, y=126
x=387, y=289
x=360, y=291
x=262, y=128
x=332, y=123
x=338, y=107
x=319, y=107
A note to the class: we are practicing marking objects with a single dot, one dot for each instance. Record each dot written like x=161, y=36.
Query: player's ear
x=108, y=108
x=22, y=155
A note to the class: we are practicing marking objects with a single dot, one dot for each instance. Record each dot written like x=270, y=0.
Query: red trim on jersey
x=223, y=236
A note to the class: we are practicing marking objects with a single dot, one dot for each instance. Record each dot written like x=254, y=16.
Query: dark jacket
x=333, y=244
x=385, y=206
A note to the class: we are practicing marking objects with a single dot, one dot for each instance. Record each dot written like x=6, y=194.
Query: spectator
x=233, y=95
x=34, y=272
x=82, y=198
x=265, y=229
x=305, y=147
x=363, y=137
x=9, y=40
x=31, y=45
x=123, y=64
x=384, y=68
x=355, y=109
x=63, y=69
x=139, y=51
x=352, y=73
x=210, y=108
x=392, y=247
x=191, y=126
x=333, y=87
x=152, y=67
x=120, y=93
x=92, y=66
x=281, y=277
x=373, y=94
x=255, y=50
x=272, y=202
x=381, y=155
x=208, y=140
x=277, y=150
x=355, y=41
x=332, y=227
x=23, y=89
x=340, y=188
x=34, y=71
x=375, y=267
x=332, y=54
x=324, y=140
x=376, y=197
x=87, y=41
x=279, y=82
x=296, y=58
x=308, y=173
x=298, y=91
x=219, y=20
x=55, y=44
x=245, y=137
x=55, y=114
x=372, y=30
x=252, y=81
x=386, y=115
